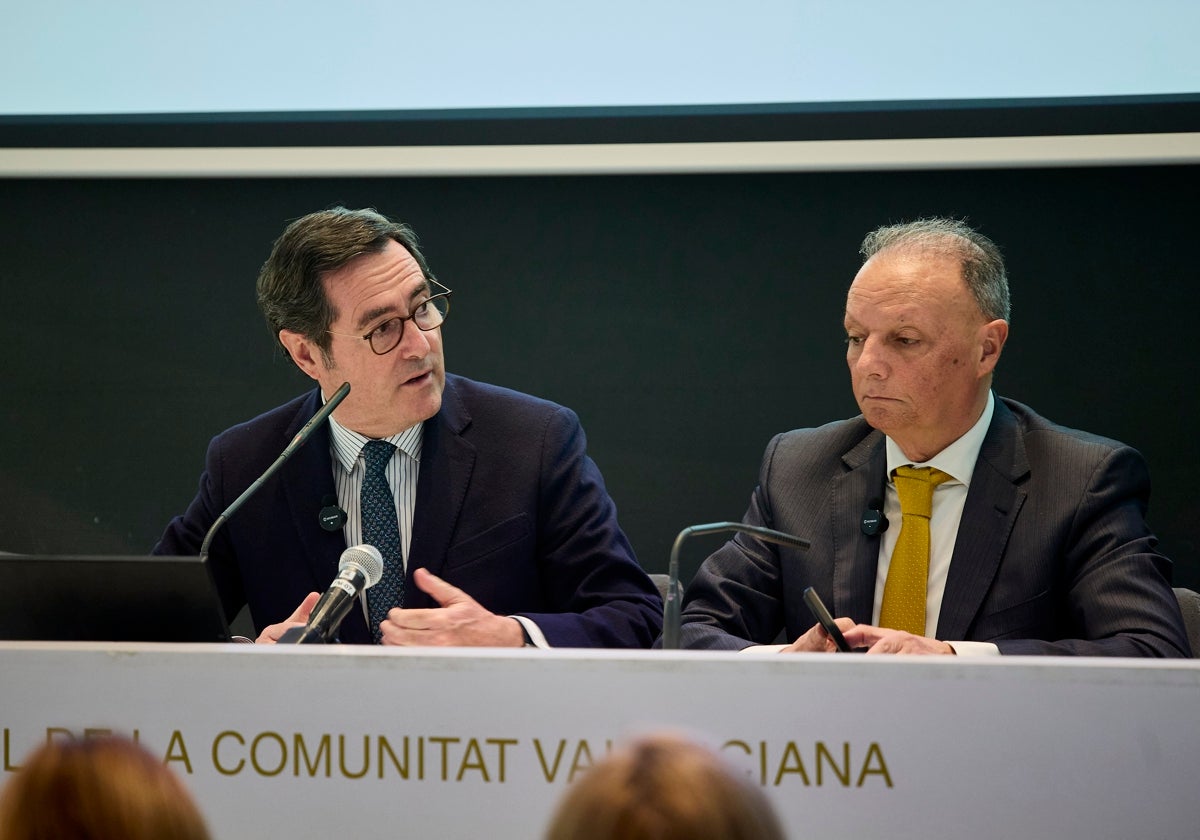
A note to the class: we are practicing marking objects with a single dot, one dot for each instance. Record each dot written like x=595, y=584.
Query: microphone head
x=365, y=558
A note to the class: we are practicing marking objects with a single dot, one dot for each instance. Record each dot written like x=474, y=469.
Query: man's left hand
x=459, y=621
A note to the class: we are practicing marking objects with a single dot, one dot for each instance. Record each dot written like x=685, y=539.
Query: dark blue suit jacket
x=1053, y=554
x=509, y=508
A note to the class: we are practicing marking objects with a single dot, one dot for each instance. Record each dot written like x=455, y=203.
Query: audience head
x=105, y=788
x=663, y=787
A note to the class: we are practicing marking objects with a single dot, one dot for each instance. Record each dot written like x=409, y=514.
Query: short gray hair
x=980, y=259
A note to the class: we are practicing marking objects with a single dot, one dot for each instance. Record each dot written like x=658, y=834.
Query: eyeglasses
x=427, y=315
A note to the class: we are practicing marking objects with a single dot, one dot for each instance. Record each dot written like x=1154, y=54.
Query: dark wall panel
x=687, y=318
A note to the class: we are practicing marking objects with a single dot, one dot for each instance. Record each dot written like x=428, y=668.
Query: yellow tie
x=908, y=572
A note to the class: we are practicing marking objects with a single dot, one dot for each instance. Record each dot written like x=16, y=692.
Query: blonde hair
x=106, y=788
x=663, y=787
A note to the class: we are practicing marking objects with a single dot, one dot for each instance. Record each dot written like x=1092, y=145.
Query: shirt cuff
x=974, y=648
x=533, y=634
x=762, y=649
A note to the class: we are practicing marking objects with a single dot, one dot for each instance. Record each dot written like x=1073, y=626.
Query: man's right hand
x=816, y=640
x=270, y=634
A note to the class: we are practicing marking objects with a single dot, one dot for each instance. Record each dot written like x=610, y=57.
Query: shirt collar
x=958, y=459
x=347, y=444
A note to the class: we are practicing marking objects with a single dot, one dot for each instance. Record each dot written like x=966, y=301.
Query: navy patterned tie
x=380, y=529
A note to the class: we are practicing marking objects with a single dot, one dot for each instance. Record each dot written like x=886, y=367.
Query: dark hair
x=663, y=787
x=291, y=291
x=982, y=264
x=102, y=788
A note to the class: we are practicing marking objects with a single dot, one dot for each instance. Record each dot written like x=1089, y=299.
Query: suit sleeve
x=586, y=564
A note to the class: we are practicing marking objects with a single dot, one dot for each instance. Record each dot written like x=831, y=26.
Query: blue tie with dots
x=380, y=529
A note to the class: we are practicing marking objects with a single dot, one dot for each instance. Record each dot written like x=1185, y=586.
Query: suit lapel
x=855, y=555
x=447, y=461
x=993, y=501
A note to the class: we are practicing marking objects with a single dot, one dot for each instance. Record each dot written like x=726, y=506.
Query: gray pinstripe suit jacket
x=1053, y=555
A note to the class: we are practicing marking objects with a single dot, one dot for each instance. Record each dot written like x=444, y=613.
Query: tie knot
x=915, y=486
x=377, y=453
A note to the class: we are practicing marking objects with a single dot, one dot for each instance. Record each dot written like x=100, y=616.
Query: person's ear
x=304, y=352
x=992, y=336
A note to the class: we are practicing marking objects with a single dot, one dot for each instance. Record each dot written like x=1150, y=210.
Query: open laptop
x=111, y=599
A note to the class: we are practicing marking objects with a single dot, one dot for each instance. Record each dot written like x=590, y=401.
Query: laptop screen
x=102, y=598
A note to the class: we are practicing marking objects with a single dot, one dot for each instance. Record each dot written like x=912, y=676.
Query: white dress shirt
x=958, y=461
x=402, y=471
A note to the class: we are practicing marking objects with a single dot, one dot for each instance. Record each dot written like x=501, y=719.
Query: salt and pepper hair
x=291, y=288
x=982, y=265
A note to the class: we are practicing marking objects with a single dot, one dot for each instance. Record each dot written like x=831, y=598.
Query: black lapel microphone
x=332, y=517
x=873, y=520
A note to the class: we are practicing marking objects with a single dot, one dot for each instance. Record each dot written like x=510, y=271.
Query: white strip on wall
x=607, y=159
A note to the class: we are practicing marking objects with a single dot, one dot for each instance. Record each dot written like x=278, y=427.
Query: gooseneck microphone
x=299, y=440
x=359, y=568
x=671, y=607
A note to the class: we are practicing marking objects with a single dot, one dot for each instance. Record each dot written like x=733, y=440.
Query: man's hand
x=460, y=621
x=883, y=640
x=875, y=639
x=270, y=635
x=816, y=640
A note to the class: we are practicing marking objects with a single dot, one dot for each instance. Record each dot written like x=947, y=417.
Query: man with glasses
x=493, y=523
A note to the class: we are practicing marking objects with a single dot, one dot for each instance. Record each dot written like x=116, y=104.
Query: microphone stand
x=673, y=602
x=298, y=441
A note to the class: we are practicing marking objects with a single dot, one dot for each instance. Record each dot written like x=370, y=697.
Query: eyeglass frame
x=367, y=338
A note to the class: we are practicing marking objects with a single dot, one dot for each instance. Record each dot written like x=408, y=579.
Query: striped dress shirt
x=402, y=470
